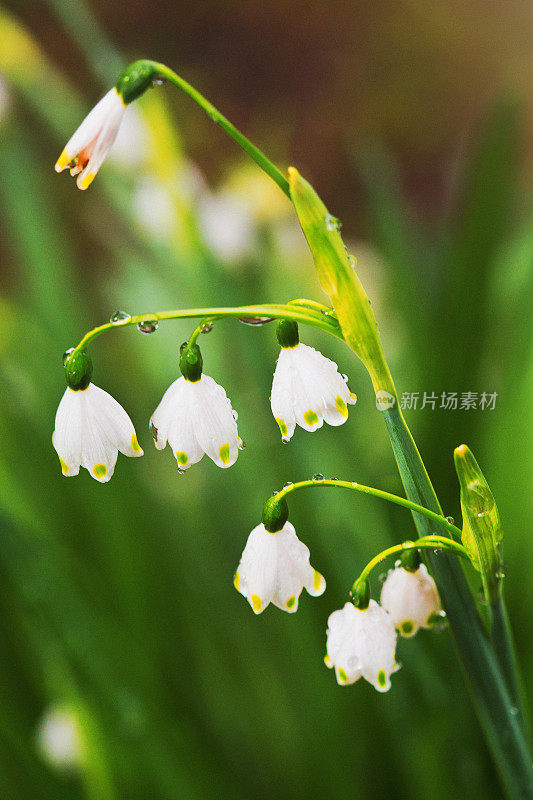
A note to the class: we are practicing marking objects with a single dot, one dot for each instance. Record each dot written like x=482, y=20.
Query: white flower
x=411, y=598
x=195, y=417
x=86, y=150
x=274, y=568
x=58, y=737
x=90, y=429
x=307, y=389
x=361, y=643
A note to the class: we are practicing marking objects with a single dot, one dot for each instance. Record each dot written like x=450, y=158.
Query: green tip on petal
x=136, y=79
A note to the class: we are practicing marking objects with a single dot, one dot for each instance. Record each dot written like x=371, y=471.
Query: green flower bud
x=410, y=559
x=361, y=593
x=191, y=362
x=287, y=333
x=482, y=532
x=136, y=79
x=78, y=369
x=275, y=514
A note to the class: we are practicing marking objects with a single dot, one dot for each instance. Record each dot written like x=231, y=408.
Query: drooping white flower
x=411, y=599
x=361, y=643
x=87, y=148
x=274, y=568
x=307, y=390
x=195, y=417
x=90, y=429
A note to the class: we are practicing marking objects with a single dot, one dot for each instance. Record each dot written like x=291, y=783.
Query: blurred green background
x=129, y=666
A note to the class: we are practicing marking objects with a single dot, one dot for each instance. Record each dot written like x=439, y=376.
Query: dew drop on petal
x=450, y=520
x=66, y=355
x=235, y=415
x=353, y=262
x=318, y=477
x=148, y=325
x=241, y=445
x=181, y=471
x=345, y=378
x=120, y=318
x=285, y=440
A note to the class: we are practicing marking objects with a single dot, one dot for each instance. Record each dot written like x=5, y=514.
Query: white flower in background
x=411, y=599
x=90, y=429
x=307, y=390
x=226, y=225
x=195, y=417
x=154, y=208
x=86, y=150
x=132, y=143
x=361, y=643
x=274, y=568
x=58, y=738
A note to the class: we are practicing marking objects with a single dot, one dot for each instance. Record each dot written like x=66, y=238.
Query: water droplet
x=354, y=483
x=285, y=440
x=148, y=325
x=353, y=262
x=120, y=318
x=240, y=444
x=382, y=577
x=234, y=415
x=255, y=321
x=181, y=471
x=318, y=477
x=345, y=378
x=332, y=223
x=286, y=485
x=67, y=354
x=275, y=492
x=513, y=710
x=207, y=327
x=158, y=82
x=450, y=520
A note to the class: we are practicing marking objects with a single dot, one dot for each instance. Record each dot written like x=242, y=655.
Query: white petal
x=214, y=425
x=281, y=399
x=411, y=598
x=274, y=568
x=172, y=421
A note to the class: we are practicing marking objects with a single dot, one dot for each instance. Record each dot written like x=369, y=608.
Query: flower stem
x=425, y=543
x=391, y=498
x=213, y=113
x=298, y=313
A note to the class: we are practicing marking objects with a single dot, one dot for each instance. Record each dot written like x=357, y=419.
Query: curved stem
x=426, y=542
x=213, y=113
x=391, y=498
x=307, y=316
x=198, y=330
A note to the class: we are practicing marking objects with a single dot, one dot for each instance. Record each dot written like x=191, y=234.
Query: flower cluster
x=361, y=641
x=195, y=415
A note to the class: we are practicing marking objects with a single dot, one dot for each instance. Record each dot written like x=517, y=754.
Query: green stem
x=213, y=113
x=306, y=316
x=483, y=672
x=425, y=543
x=198, y=330
x=370, y=490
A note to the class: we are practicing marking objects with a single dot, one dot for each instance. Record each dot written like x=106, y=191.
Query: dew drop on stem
x=318, y=477
x=148, y=325
x=255, y=321
x=332, y=223
x=120, y=318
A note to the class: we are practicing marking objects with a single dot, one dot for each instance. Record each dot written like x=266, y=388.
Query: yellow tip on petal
x=85, y=180
x=311, y=417
x=62, y=162
x=317, y=580
x=64, y=466
x=291, y=601
x=236, y=580
x=282, y=425
x=181, y=458
x=100, y=470
x=256, y=603
x=135, y=446
x=224, y=453
x=341, y=406
x=327, y=661
x=342, y=676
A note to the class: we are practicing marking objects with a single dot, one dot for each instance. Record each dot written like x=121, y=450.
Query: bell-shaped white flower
x=307, y=390
x=361, y=643
x=195, y=417
x=411, y=599
x=274, y=568
x=88, y=147
x=90, y=429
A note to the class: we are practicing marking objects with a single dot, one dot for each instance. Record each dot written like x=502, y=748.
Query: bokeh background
x=129, y=666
